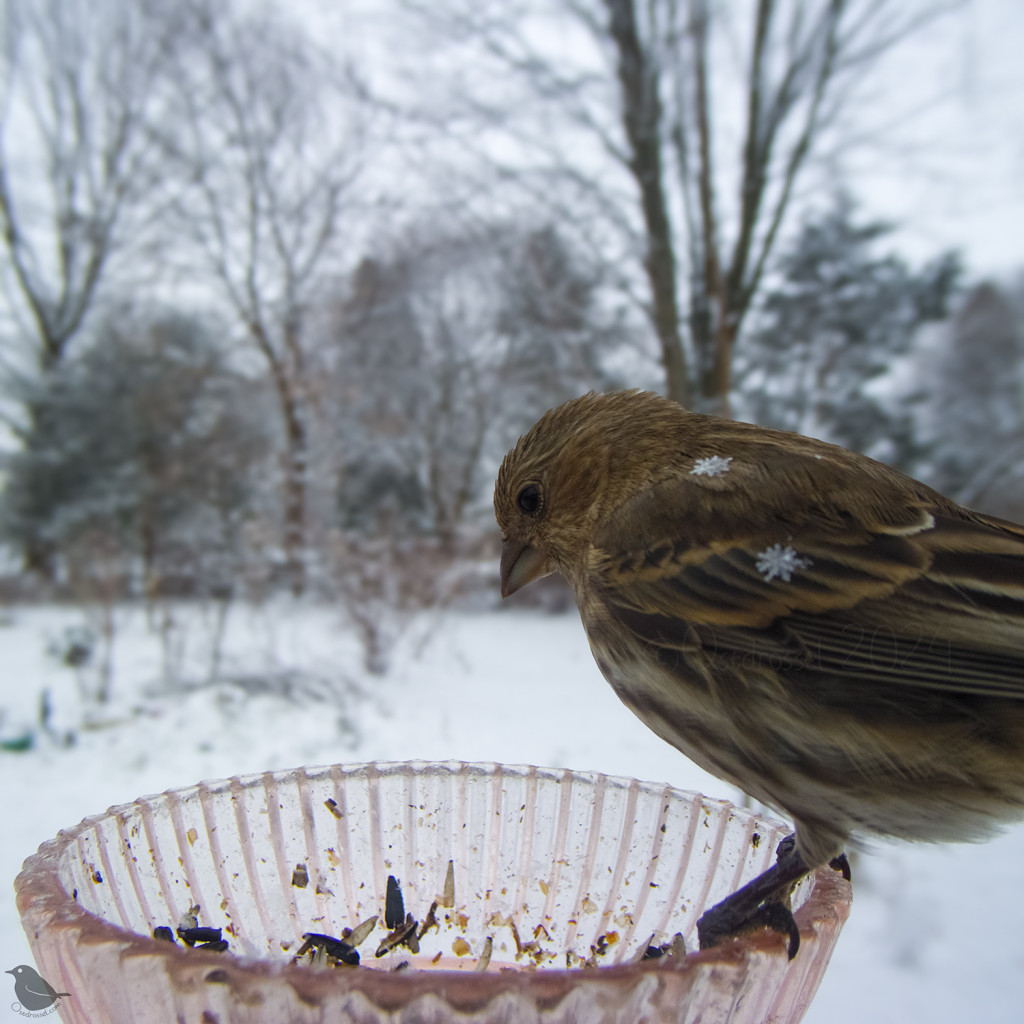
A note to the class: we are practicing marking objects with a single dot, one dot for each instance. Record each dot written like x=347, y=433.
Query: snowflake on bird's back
x=781, y=562
x=711, y=465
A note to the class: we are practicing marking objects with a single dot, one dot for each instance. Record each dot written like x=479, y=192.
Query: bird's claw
x=761, y=903
x=718, y=924
x=842, y=865
x=786, y=847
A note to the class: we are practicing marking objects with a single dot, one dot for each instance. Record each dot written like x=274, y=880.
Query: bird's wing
x=873, y=578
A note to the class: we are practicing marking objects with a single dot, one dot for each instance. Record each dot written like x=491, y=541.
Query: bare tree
x=418, y=351
x=79, y=81
x=449, y=344
x=265, y=129
x=667, y=92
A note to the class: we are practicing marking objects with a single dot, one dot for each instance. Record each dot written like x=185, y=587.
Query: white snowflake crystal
x=712, y=465
x=781, y=562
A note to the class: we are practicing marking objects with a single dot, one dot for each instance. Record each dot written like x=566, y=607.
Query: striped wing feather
x=898, y=585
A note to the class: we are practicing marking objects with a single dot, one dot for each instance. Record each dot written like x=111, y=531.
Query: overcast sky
x=963, y=184
x=949, y=170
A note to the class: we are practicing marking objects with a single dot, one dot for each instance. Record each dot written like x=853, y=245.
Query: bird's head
x=573, y=467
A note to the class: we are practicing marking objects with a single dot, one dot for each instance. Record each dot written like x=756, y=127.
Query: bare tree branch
x=79, y=82
x=709, y=222
x=270, y=185
x=642, y=122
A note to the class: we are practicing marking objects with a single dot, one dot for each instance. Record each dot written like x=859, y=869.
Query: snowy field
x=935, y=934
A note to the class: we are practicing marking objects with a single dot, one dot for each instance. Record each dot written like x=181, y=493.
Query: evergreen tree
x=831, y=329
x=973, y=419
x=142, y=448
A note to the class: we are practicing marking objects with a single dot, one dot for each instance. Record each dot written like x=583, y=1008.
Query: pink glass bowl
x=561, y=881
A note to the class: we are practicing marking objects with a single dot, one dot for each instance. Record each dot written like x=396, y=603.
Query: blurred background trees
x=840, y=313
x=267, y=142
x=448, y=345
x=279, y=292
x=971, y=396
x=78, y=180
x=685, y=130
x=145, y=446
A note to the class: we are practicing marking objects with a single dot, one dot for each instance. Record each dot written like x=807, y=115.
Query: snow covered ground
x=935, y=933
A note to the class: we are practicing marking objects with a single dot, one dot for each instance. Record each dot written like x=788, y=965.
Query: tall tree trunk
x=641, y=118
x=295, y=499
x=38, y=552
x=294, y=460
x=718, y=379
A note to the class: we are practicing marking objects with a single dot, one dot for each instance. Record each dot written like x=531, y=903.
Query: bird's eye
x=529, y=499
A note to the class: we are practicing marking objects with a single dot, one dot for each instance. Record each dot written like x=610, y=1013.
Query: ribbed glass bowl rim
x=44, y=903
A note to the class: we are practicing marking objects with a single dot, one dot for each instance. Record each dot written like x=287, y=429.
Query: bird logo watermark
x=36, y=996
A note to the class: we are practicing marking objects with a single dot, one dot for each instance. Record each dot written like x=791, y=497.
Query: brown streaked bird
x=837, y=639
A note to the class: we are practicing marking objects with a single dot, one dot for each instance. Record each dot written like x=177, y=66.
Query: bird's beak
x=520, y=564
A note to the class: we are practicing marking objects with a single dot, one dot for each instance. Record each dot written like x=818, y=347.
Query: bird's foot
x=761, y=903
x=719, y=924
x=842, y=865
